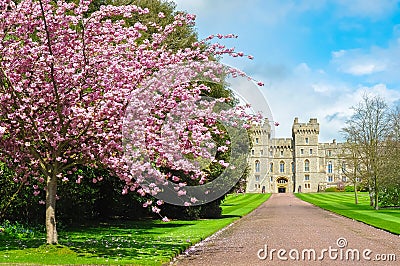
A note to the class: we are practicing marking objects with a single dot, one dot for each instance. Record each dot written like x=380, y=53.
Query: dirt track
x=285, y=222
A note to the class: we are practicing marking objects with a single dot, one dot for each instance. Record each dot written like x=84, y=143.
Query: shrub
x=17, y=202
x=101, y=200
x=210, y=210
x=18, y=230
x=77, y=203
x=389, y=196
x=351, y=188
x=331, y=189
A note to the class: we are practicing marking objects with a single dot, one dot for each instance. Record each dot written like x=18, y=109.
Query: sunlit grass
x=148, y=242
x=343, y=203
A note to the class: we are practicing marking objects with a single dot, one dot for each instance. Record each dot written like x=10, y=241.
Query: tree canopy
x=67, y=77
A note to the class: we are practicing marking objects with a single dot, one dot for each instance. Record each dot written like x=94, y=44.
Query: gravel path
x=285, y=222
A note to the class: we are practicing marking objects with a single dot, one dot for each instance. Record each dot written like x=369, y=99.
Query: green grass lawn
x=150, y=242
x=343, y=203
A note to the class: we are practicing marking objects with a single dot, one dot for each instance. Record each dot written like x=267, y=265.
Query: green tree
x=390, y=185
x=182, y=38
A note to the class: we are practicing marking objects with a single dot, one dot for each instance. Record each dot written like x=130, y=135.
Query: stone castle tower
x=297, y=164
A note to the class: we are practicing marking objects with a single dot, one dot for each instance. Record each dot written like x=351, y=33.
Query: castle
x=297, y=164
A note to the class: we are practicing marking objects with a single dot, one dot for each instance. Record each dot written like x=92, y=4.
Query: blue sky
x=316, y=57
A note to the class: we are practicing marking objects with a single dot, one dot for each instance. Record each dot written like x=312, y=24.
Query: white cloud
x=389, y=95
x=365, y=68
x=322, y=88
x=338, y=54
x=318, y=96
x=294, y=86
x=302, y=68
x=380, y=63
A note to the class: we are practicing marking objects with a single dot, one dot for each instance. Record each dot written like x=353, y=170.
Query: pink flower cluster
x=68, y=79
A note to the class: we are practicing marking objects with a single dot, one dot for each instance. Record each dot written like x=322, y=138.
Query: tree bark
x=376, y=194
x=355, y=193
x=371, y=194
x=51, y=192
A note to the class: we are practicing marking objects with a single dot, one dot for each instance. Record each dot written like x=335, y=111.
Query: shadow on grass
x=231, y=216
x=115, y=239
x=9, y=243
x=130, y=240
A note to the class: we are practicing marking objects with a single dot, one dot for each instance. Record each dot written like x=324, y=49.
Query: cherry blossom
x=67, y=80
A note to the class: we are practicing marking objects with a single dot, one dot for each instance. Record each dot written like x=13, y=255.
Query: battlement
x=281, y=143
x=297, y=164
x=330, y=144
x=262, y=129
x=312, y=127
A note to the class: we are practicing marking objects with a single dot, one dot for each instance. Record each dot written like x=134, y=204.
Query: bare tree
x=367, y=130
x=351, y=165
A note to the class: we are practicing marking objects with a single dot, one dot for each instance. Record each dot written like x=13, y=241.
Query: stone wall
x=297, y=164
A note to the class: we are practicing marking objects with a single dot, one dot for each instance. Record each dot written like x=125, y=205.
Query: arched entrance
x=282, y=184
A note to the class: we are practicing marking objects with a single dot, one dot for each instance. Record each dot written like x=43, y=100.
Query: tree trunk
x=371, y=194
x=355, y=193
x=51, y=193
x=376, y=194
x=371, y=199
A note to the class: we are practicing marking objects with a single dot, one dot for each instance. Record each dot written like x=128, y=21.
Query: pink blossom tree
x=66, y=80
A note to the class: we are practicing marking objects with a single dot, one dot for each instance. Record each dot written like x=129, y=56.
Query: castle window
x=301, y=151
x=330, y=168
x=270, y=153
x=257, y=140
x=257, y=178
x=307, y=177
x=307, y=185
x=257, y=166
x=252, y=152
x=272, y=179
x=330, y=178
x=329, y=153
x=358, y=179
x=282, y=167
x=310, y=151
x=281, y=153
x=282, y=181
x=293, y=169
x=271, y=167
x=261, y=152
x=256, y=186
x=344, y=179
x=306, y=166
x=306, y=140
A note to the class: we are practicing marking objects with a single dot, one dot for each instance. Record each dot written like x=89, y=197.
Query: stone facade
x=297, y=164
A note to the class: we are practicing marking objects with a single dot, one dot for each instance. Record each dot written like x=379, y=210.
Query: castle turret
x=259, y=157
x=305, y=143
x=297, y=164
